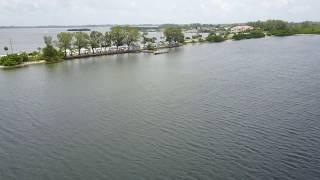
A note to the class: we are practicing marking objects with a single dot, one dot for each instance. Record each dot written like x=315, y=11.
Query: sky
x=84, y=12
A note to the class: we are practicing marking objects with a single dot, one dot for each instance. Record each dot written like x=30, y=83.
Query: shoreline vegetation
x=25, y=64
x=131, y=39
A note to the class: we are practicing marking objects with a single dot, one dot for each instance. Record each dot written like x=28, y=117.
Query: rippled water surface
x=235, y=110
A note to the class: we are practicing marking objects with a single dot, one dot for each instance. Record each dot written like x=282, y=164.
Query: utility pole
x=11, y=46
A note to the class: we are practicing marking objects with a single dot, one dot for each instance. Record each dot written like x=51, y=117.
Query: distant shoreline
x=135, y=25
x=41, y=27
x=74, y=26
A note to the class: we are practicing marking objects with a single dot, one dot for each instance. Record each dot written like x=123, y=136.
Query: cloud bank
x=72, y=12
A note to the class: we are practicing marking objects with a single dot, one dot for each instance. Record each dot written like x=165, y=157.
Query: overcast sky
x=73, y=12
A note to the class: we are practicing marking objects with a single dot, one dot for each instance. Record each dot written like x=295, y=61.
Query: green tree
x=117, y=36
x=24, y=56
x=270, y=25
x=47, y=40
x=95, y=39
x=107, y=41
x=65, y=41
x=39, y=49
x=174, y=35
x=81, y=41
x=50, y=54
x=132, y=35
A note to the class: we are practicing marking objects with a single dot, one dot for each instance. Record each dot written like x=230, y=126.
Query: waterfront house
x=238, y=29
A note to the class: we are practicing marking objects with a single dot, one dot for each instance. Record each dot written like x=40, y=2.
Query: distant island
x=133, y=39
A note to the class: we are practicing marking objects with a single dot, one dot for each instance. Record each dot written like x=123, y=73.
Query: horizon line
x=138, y=24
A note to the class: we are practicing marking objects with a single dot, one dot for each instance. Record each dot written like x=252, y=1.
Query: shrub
x=150, y=47
x=249, y=35
x=197, y=36
x=215, y=38
x=282, y=32
x=24, y=56
x=50, y=54
x=34, y=53
x=201, y=40
x=11, y=60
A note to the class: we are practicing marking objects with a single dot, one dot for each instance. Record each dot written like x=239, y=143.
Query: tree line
x=118, y=36
x=284, y=28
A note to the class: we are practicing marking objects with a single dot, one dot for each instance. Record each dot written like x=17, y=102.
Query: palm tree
x=6, y=49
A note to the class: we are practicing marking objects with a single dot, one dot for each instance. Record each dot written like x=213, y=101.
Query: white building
x=239, y=29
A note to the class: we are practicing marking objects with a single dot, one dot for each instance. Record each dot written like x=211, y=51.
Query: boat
x=82, y=29
x=161, y=52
